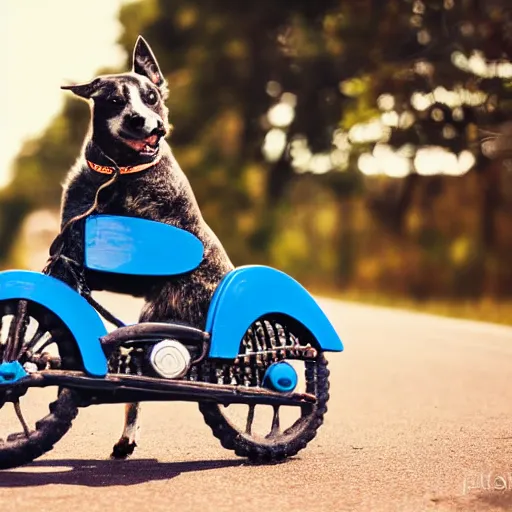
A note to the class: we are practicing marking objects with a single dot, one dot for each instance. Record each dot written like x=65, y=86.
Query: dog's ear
x=83, y=90
x=145, y=63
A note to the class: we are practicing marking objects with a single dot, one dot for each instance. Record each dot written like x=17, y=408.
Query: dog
x=129, y=123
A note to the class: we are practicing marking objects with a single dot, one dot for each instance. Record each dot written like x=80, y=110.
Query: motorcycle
x=261, y=352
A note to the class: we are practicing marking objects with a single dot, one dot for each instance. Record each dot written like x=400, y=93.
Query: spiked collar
x=105, y=169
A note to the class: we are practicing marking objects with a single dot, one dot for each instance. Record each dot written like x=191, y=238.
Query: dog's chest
x=151, y=199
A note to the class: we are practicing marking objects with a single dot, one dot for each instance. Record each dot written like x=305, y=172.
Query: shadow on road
x=104, y=473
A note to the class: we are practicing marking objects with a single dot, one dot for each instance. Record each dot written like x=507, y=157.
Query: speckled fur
x=161, y=193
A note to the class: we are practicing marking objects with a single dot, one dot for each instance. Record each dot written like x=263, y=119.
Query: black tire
x=289, y=442
x=50, y=429
x=18, y=449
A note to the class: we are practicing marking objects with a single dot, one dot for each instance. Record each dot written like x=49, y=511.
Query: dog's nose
x=136, y=121
x=160, y=128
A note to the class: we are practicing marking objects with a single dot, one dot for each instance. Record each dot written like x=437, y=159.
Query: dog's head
x=129, y=116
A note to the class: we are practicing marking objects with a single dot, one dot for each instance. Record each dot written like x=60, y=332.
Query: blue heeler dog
x=128, y=125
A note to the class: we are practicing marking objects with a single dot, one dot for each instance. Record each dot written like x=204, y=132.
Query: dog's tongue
x=151, y=140
x=139, y=145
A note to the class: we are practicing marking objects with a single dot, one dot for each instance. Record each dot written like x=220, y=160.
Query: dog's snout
x=136, y=121
x=160, y=128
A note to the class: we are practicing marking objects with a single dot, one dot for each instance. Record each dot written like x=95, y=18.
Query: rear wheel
x=263, y=433
x=37, y=340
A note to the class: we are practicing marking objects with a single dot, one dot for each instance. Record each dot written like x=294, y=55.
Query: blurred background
x=363, y=146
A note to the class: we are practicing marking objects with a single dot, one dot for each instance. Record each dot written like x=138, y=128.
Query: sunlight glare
x=281, y=115
x=433, y=160
x=274, y=144
x=48, y=43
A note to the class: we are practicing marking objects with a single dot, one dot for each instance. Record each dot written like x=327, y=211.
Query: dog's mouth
x=146, y=147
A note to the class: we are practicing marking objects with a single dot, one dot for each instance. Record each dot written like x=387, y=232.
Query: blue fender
x=248, y=293
x=80, y=318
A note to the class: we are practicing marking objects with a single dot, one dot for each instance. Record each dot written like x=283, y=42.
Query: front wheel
x=37, y=339
x=262, y=433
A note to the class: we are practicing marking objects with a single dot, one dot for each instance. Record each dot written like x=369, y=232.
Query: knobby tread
x=49, y=430
x=17, y=449
x=231, y=439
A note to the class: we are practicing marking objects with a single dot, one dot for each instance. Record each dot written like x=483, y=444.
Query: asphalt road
x=420, y=419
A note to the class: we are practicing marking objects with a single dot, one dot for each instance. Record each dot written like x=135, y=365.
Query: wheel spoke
x=276, y=428
x=47, y=343
x=17, y=331
x=250, y=419
x=10, y=337
x=17, y=409
x=21, y=327
x=40, y=332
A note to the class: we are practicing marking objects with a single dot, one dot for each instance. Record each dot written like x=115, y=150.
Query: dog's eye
x=151, y=98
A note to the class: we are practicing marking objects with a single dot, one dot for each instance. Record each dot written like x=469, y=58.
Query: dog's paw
x=123, y=449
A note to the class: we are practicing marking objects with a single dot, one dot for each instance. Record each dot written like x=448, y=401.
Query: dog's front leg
x=128, y=440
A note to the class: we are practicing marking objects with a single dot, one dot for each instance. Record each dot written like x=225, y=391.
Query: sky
x=48, y=43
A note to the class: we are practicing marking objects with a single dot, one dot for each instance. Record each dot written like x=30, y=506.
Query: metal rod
x=151, y=330
x=156, y=329
x=171, y=389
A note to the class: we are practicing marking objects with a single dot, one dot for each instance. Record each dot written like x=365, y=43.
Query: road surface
x=420, y=419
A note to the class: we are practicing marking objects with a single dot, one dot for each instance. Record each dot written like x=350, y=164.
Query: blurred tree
x=440, y=76
x=388, y=111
